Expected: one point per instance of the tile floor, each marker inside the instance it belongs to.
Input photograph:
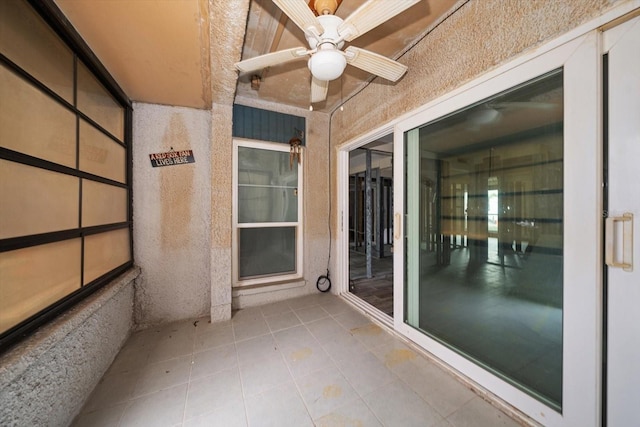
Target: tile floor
(307, 361)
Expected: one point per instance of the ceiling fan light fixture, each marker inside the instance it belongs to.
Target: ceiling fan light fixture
(327, 64)
(484, 116)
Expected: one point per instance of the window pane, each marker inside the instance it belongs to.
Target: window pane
(102, 203)
(36, 277)
(100, 155)
(97, 103)
(266, 204)
(32, 123)
(266, 251)
(104, 252)
(267, 186)
(35, 200)
(29, 42)
(484, 234)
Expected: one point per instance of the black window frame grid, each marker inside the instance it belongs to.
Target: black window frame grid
(56, 20)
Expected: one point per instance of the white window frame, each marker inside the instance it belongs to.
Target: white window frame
(273, 279)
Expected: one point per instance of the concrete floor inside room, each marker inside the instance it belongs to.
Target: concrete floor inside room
(308, 361)
(376, 290)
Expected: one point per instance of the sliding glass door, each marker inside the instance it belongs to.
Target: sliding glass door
(484, 247)
(497, 268)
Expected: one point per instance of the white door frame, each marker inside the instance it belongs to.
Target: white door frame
(584, 172)
(343, 226)
(622, 43)
(582, 269)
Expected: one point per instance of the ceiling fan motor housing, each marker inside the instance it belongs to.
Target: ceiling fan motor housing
(330, 23)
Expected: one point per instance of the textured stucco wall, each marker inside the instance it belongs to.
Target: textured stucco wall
(45, 380)
(479, 36)
(317, 201)
(171, 213)
(221, 199)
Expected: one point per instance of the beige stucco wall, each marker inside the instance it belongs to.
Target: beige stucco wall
(182, 214)
(171, 213)
(479, 36)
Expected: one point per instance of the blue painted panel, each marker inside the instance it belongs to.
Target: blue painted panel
(264, 125)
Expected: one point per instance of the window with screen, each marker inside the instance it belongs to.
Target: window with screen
(267, 214)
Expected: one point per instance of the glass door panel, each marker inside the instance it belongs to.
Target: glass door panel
(484, 234)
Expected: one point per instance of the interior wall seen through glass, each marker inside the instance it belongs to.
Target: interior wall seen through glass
(484, 245)
(267, 186)
(267, 251)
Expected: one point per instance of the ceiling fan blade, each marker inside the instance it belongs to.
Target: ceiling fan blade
(298, 11)
(319, 89)
(275, 58)
(375, 63)
(370, 15)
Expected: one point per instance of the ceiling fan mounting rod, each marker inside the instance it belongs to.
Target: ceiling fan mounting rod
(325, 7)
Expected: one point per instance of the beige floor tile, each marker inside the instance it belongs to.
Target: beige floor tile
(351, 320)
(250, 314)
(279, 407)
(395, 404)
(437, 387)
(131, 359)
(171, 347)
(372, 335)
(214, 337)
(232, 415)
(106, 417)
(279, 307)
(111, 390)
(395, 354)
(325, 329)
(246, 330)
(281, 321)
(309, 314)
(366, 373)
(162, 375)
(310, 300)
(306, 359)
(343, 347)
(163, 408)
(214, 360)
(215, 391)
(255, 349)
(284, 364)
(355, 413)
(325, 391)
(294, 337)
(479, 413)
(266, 374)
(335, 306)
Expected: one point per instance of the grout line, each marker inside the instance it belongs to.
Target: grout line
(186, 396)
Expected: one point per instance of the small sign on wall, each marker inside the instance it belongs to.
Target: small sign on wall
(171, 158)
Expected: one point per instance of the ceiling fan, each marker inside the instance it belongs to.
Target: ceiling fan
(326, 35)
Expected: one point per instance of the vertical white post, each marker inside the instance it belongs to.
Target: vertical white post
(412, 220)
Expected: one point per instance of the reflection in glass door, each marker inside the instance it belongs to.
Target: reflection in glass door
(484, 234)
